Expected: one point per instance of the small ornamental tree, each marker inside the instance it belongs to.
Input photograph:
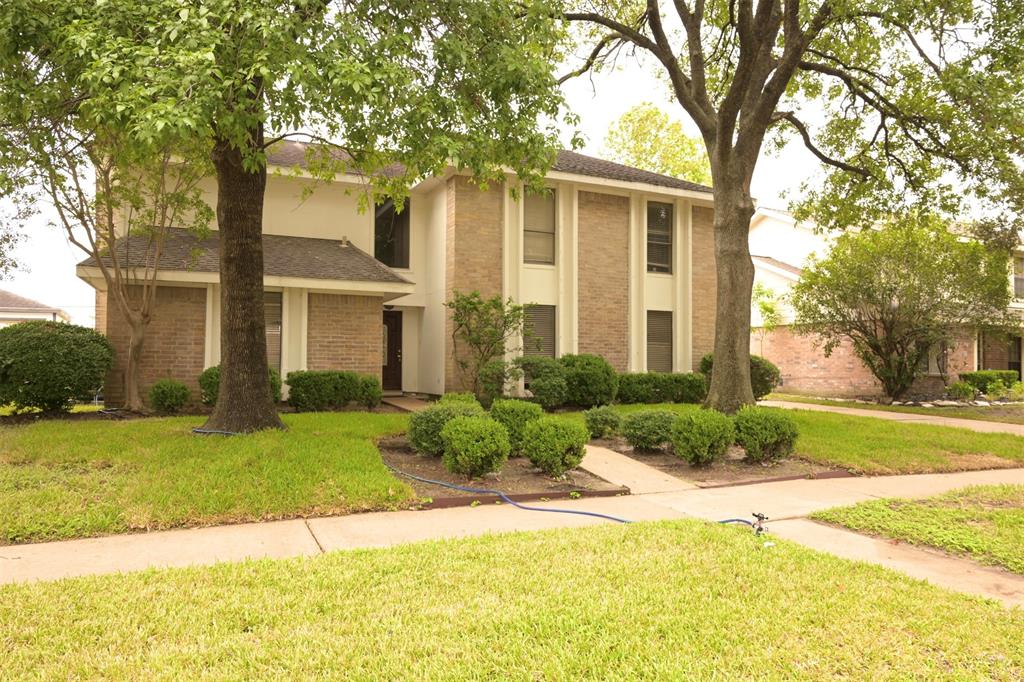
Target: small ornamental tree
(897, 292)
(483, 331)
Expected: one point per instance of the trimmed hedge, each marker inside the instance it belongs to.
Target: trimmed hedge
(209, 385)
(764, 376)
(514, 415)
(702, 436)
(649, 429)
(545, 378)
(981, 379)
(602, 421)
(474, 446)
(765, 433)
(555, 445)
(48, 365)
(168, 396)
(425, 426)
(459, 397)
(590, 380)
(662, 387)
(318, 390)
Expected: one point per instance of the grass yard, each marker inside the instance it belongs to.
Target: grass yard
(67, 479)
(985, 523)
(8, 410)
(1009, 414)
(679, 600)
(874, 446)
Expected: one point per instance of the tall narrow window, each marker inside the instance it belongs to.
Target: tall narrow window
(659, 341)
(1013, 358)
(272, 316)
(659, 237)
(391, 234)
(540, 331)
(1018, 276)
(539, 228)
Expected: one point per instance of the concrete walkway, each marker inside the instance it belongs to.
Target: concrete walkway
(656, 496)
(937, 419)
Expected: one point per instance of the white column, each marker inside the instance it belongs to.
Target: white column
(682, 268)
(637, 283)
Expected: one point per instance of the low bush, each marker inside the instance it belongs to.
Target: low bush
(550, 391)
(555, 445)
(997, 390)
(961, 390)
(168, 396)
(981, 378)
(48, 365)
(370, 391)
(459, 397)
(602, 421)
(590, 380)
(514, 415)
(765, 433)
(649, 429)
(474, 446)
(1015, 392)
(703, 436)
(425, 426)
(764, 376)
(680, 387)
(318, 390)
(636, 388)
(209, 385)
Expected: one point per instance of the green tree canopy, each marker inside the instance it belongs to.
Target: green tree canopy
(900, 291)
(645, 137)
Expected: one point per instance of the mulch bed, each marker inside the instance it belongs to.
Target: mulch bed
(732, 470)
(518, 479)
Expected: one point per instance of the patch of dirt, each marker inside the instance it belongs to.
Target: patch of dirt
(731, 470)
(517, 478)
(975, 461)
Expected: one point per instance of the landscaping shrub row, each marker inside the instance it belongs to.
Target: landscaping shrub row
(981, 379)
(317, 390)
(659, 387)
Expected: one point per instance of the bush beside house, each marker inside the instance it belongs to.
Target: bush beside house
(209, 385)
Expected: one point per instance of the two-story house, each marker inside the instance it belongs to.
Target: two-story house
(613, 260)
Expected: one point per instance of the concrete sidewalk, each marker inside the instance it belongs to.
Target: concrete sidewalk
(936, 420)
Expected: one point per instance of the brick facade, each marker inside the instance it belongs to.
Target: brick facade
(101, 312)
(473, 251)
(175, 340)
(705, 282)
(345, 332)
(603, 259)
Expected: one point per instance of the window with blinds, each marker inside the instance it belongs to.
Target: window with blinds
(659, 341)
(539, 332)
(1018, 276)
(272, 314)
(539, 228)
(659, 237)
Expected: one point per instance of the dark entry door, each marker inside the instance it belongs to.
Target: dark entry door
(391, 372)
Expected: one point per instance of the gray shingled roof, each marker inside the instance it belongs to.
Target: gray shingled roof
(291, 153)
(11, 302)
(282, 257)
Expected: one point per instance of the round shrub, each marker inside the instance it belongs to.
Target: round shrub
(209, 385)
(636, 388)
(961, 390)
(766, 434)
(764, 376)
(701, 437)
(555, 445)
(649, 429)
(602, 421)
(168, 396)
(425, 426)
(370, 391)
(550, 391)
(514, 415)
(459, 397)
(474, 445)
(48, 365)
(590, 379)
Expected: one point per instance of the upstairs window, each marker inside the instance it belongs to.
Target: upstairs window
(659, 237)
(272, 316)
(1018, 276)
(539, 331)
(391, 234)
(659, 341)
(539, 228)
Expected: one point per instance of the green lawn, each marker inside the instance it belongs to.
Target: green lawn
(680, 600)
(873, 446)
(985, 523)
(8, 410)
(64, 479)
(1009, 414)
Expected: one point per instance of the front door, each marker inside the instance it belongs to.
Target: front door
(391, 372)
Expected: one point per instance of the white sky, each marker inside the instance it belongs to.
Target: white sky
(47, 260)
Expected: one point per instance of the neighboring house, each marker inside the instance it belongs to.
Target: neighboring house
(780, 248)
(14, 309)
(614, 260)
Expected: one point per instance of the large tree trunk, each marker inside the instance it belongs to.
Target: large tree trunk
(730, 379)
(244, 401)
(132, 390)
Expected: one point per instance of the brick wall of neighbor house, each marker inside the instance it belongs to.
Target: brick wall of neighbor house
(174, 345)
(101, 312)
(473, 251)
(705, 284)
(604, 277)
(345, 332)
